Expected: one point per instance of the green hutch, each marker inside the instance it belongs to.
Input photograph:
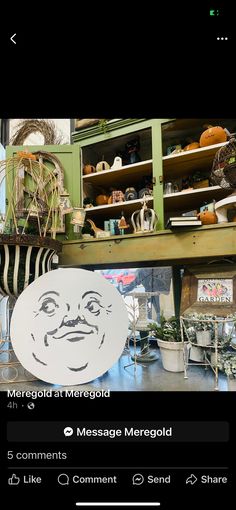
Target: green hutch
(162, 247)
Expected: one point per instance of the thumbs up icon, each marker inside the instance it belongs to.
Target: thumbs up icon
(14, 480)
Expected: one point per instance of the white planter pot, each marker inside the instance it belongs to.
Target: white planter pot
(172, 355)
(231, 383)
(203, 338)
(196, 353)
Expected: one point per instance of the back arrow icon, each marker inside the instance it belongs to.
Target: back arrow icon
(12, 38)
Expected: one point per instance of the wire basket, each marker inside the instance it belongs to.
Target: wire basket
(223, 171)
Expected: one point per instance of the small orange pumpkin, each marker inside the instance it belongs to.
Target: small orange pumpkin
(192, 146)
(213, 135)
(208, 217)
(88, 169)
(101, 199)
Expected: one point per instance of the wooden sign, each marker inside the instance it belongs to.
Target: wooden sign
(209, 289)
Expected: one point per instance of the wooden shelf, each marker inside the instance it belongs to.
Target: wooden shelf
(194, 198)
(110, 210)
(123, 176)
(184, 163)
(162, 248)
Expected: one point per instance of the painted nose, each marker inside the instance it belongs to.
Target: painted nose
(74, 322)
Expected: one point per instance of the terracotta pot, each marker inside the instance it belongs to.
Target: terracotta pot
(207, 217)
(101, 199)
(213, 135)
(89, 169)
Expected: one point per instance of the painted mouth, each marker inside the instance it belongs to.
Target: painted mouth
(74, 336)
(78, 369)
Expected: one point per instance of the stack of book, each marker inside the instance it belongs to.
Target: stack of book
(183, 221)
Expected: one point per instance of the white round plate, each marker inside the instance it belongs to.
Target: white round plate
(69, 326)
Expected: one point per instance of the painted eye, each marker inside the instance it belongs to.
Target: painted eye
(49, 306)
(94, 307)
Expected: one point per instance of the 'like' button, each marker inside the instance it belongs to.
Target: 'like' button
(13, 480)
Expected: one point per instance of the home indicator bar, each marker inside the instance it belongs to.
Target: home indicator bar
(131, 504)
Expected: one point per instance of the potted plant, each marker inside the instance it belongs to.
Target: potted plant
(227, 364)
(201, 332)
(169, 340)
(203, 328)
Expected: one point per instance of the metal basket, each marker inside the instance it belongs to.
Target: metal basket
(223, 171)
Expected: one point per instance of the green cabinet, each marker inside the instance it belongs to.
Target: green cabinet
(156, 136)
(97, 145)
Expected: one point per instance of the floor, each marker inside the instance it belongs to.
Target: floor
(149, 377)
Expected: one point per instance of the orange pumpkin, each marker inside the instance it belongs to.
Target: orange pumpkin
(192, 146)
(207, 217)
(101, 199)
(213, 135)
(88, 169)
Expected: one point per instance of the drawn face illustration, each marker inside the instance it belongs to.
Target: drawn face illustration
(75, 326)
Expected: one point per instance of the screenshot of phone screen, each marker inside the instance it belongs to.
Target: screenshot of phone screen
(118, 265)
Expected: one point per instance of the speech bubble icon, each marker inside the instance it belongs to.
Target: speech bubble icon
(68, 431)
(138, 479)
(63, 479)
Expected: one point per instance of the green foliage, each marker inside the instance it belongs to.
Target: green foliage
(227, 363)
(168, 329)
(197, 320)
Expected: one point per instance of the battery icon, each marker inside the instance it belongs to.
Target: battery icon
(214, 12)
